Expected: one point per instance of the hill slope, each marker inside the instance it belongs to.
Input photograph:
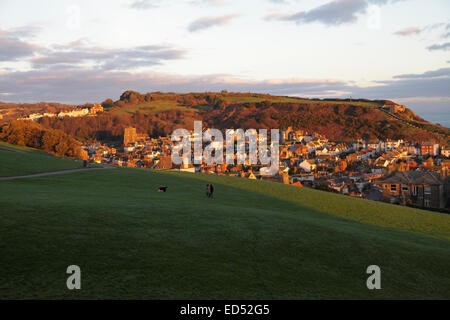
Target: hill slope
(338, 119)
(254, 240)
(159, 113)
(18, 161)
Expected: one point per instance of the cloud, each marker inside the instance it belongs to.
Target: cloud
(433, 26)
(210, 2)
(145, 4)
(24, 32)
(12, 47)
(78, 85)
(444, 46)
(78, 54)
(282, 1)
(443, 72)
(208, 22)
(428, 28)
(434, 83)
(408, 31)
(332, 13)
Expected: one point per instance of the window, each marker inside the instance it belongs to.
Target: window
(427, 203)
(393, 187)
(427, 190)
(415, 190)
(404, 187)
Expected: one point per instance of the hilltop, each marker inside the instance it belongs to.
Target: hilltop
(255, 240)
(158, 114)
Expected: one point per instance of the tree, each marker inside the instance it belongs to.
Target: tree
(108, 103)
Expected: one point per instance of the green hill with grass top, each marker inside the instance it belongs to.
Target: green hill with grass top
(253, 240)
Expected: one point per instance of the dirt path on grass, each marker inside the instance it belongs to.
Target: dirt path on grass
(11, 149)
(44, 174)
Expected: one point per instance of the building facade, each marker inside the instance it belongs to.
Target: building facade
(420, 188)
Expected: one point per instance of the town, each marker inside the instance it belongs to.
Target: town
(399, 172)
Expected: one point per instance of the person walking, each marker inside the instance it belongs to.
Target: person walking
(211, 190)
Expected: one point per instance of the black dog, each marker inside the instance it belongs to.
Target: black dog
(162, 189)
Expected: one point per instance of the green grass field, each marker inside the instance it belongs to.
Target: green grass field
(261, 99)
(154, 107)
(275, 99)
(254, 240)
(17, 161)
(160, 106)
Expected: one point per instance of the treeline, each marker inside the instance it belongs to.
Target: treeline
(343, 122)
(110, 127)
(189, 99)
(31, 134)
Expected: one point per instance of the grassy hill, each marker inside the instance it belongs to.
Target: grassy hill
(254, 240)
(152, 107)
(337, 119)
(158, 114)
(17, 161)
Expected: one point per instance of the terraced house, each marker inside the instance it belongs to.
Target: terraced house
(420, 188)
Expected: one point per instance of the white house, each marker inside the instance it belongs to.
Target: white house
(445, 151)
(307, 165)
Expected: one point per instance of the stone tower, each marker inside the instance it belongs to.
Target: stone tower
(129, 136)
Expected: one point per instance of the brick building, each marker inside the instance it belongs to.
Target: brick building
(421, 188)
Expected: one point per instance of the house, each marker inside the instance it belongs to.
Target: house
(394, 108)
(359, 144)
(428, 163)
(429, 148)
(96, 108)
(445, 151)
(307, 165)
(129, 149)
(323, 151)
(376, 145)
(297, 150)
(74, 113)
(336, 184)
(338, 149)
(413, 149)
(389, 145)
(445, 164)
(420, 188)
(313, 145)
(164, 163)
(291, 135)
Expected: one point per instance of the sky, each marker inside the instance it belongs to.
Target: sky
(87, 51)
